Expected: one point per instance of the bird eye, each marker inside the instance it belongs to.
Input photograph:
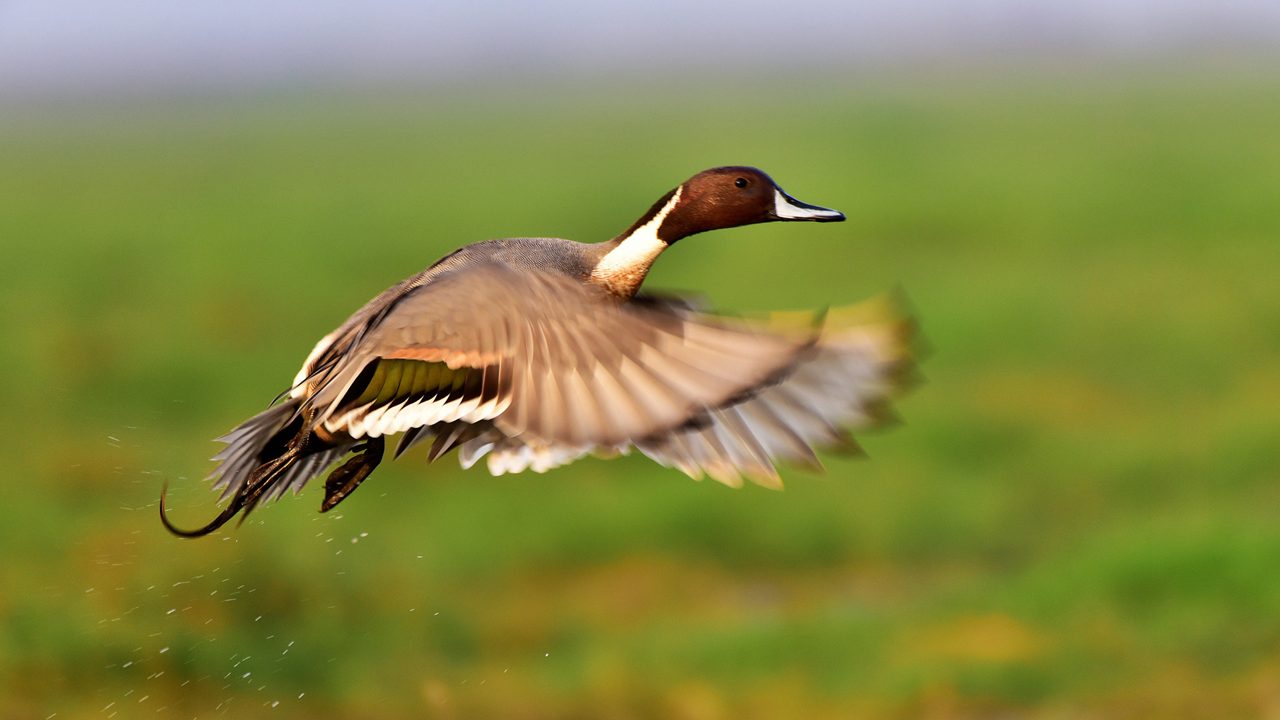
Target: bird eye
(741, 182)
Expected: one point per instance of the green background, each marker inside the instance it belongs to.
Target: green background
(1076, 519)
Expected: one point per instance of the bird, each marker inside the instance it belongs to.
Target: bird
(535, 352)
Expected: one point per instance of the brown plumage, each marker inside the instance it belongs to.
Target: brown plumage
(537, 351)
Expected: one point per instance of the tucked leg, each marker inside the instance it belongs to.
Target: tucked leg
(344, 480)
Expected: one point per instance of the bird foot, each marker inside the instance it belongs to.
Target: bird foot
(344, 480)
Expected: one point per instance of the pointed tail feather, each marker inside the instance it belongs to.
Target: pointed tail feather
(264, 456)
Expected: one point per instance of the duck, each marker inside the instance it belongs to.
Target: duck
(535, 352)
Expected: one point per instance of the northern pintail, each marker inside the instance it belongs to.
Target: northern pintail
(537, 351)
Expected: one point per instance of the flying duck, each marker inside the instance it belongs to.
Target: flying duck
(537, 351)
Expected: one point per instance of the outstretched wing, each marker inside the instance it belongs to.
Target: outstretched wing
(864, 358)
(544, 358)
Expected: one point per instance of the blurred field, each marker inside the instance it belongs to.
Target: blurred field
(1077, 519)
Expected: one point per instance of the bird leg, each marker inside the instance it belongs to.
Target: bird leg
(343, 481)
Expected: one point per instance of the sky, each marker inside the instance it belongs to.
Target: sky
(57, 47)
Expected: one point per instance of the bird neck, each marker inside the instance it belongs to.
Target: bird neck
(625, 260)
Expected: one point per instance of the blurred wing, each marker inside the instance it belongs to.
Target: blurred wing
(549, 360)
(864, 358)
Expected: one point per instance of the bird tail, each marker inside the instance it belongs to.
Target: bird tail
(264, 456)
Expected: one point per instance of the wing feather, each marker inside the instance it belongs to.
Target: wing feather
(554, 367)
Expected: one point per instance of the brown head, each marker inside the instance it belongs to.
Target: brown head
(726, 197)
(714, 199)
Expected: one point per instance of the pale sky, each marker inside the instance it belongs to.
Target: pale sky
(72, 46)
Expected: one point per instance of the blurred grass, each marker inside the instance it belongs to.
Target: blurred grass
(1076, 519)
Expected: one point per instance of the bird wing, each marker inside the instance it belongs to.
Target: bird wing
(864, 357)
(546, 358)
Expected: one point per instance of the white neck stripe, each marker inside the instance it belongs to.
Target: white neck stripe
(638, 249)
